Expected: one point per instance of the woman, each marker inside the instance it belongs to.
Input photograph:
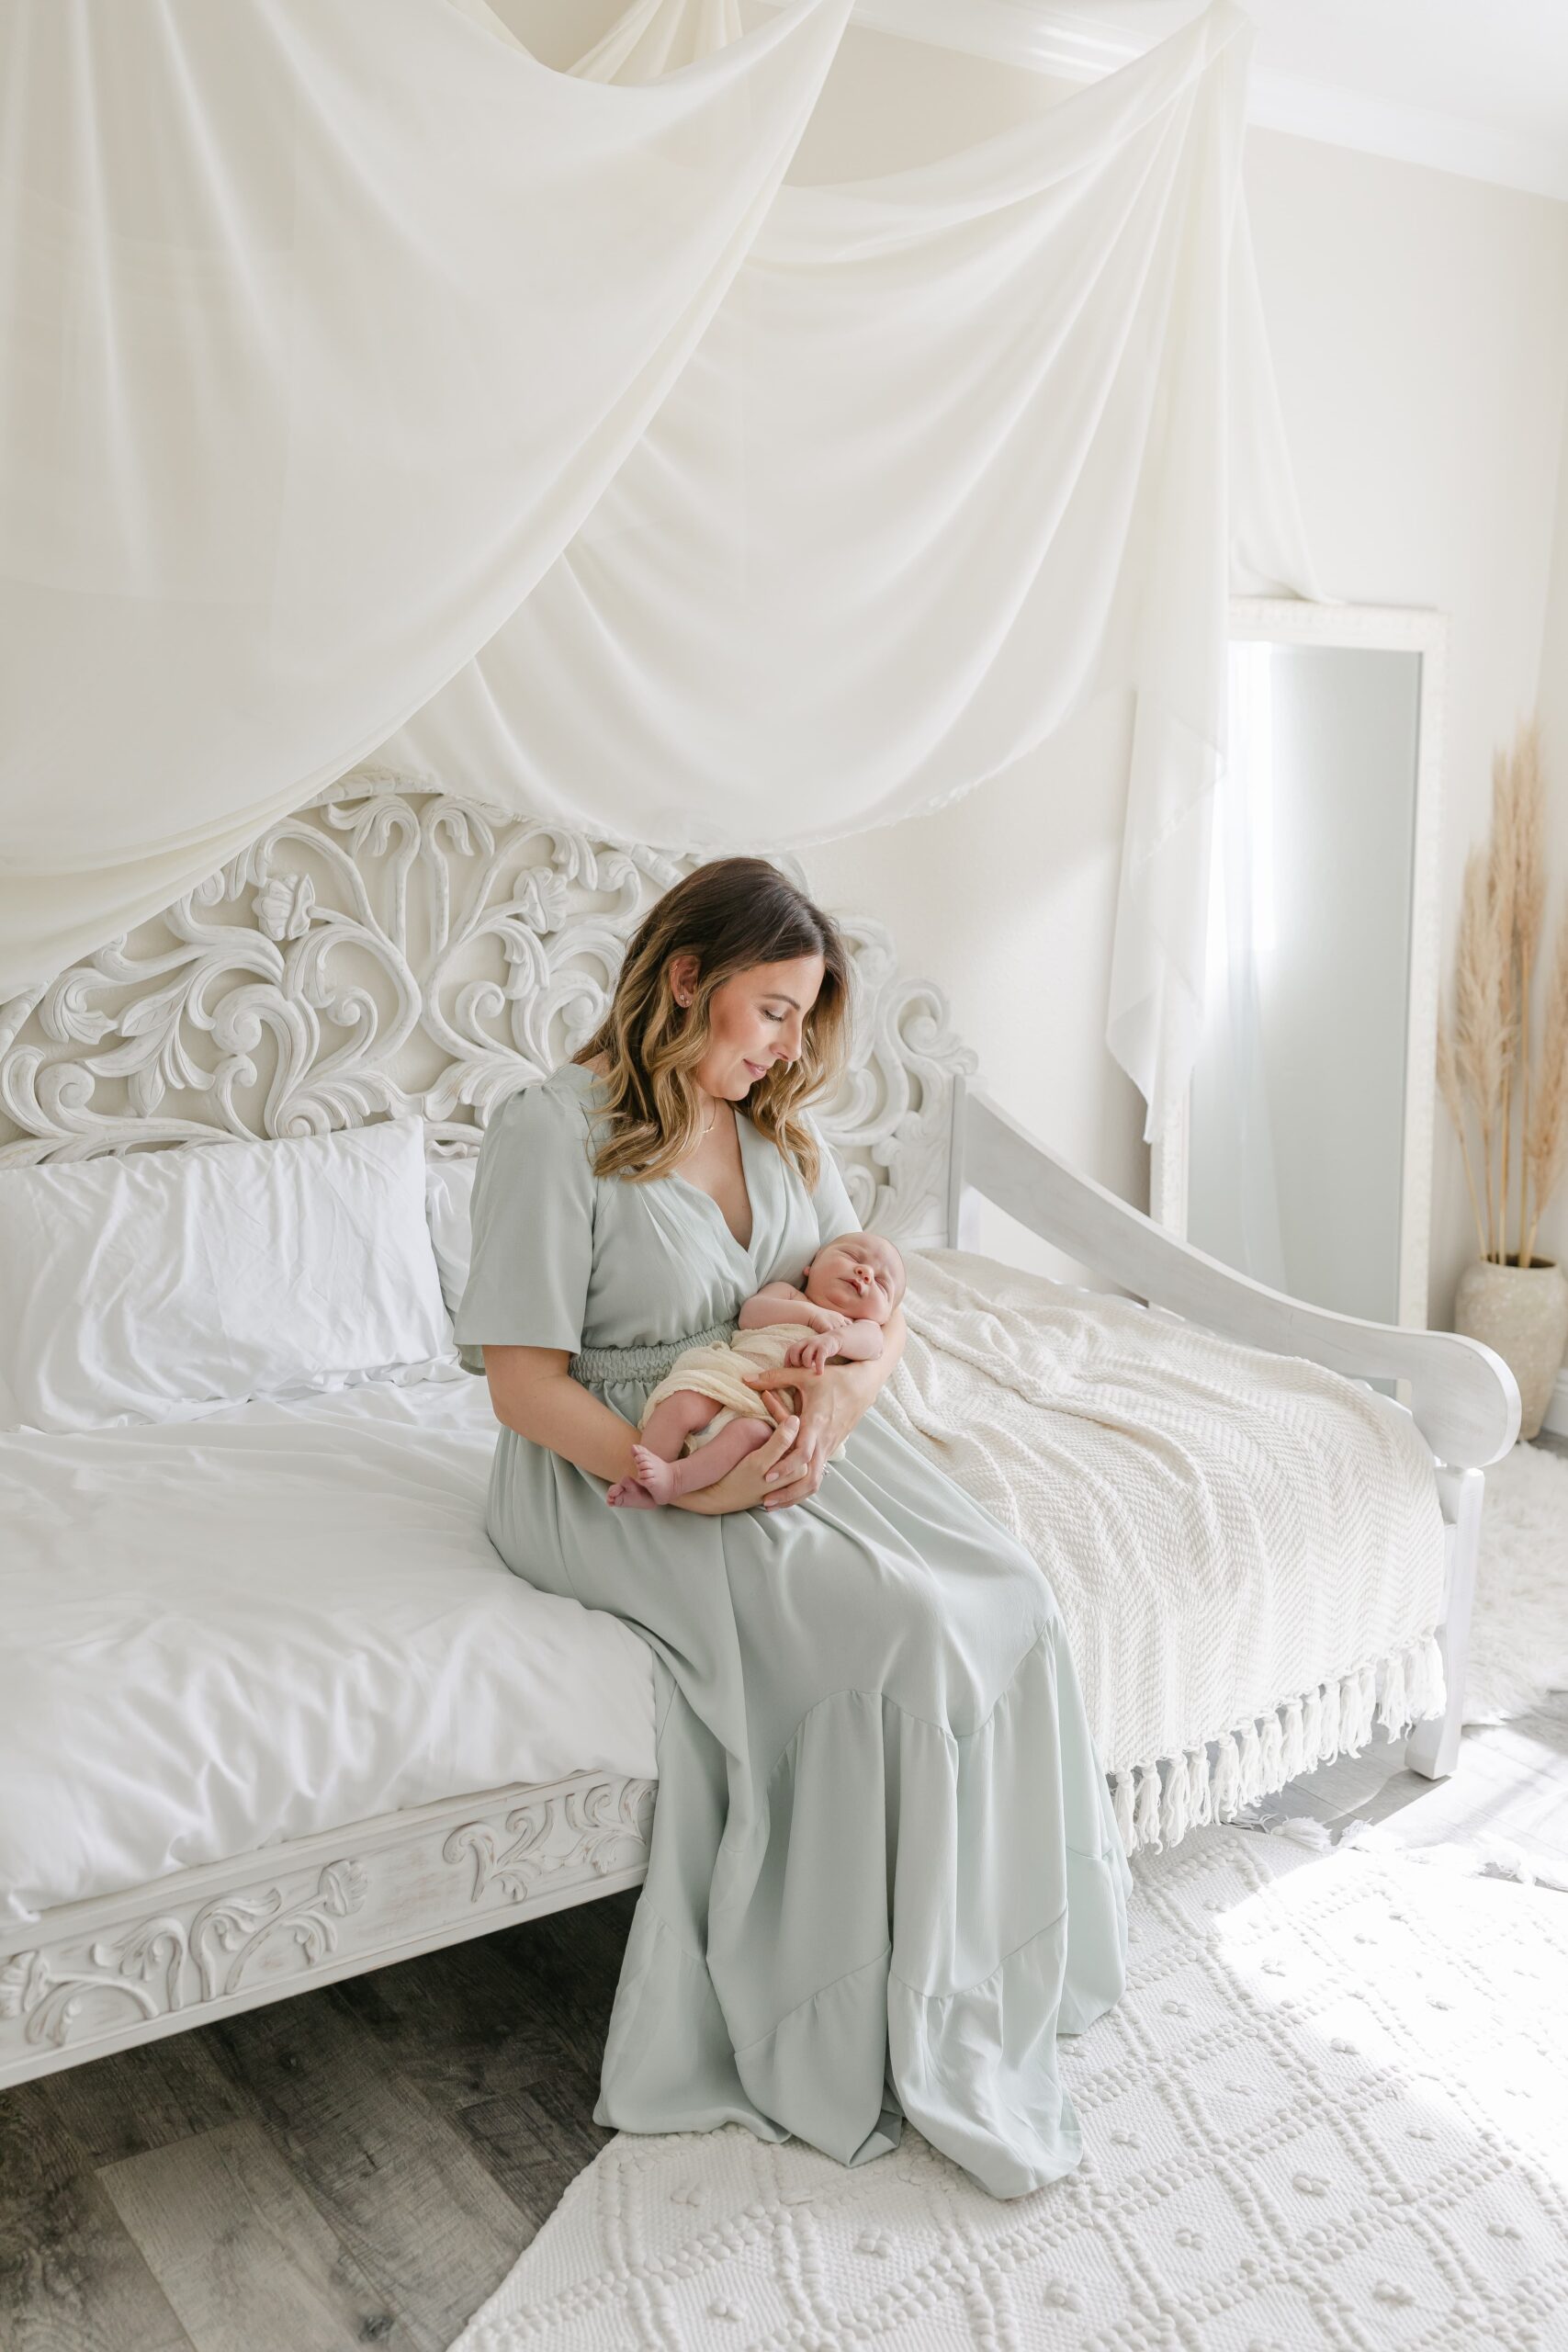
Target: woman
(884, 1870)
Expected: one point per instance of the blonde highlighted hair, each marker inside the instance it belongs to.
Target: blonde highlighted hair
(730, 914)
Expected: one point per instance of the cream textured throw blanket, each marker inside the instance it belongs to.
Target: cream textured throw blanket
(1247, 1549)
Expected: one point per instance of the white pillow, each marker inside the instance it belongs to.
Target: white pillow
(449, 1201)
(161, 1285)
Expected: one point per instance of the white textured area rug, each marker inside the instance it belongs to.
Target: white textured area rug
(1331, 2109)
(1519, 1644)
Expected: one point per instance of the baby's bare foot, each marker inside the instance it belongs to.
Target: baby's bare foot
(631, 1496)
(655, 1473)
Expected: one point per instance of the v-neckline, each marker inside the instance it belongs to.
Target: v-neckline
(745, 1247)
(741, 1125)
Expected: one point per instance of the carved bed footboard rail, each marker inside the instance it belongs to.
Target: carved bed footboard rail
(96, 1976)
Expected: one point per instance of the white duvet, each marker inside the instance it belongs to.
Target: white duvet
(287, 1617)
(273, 1620)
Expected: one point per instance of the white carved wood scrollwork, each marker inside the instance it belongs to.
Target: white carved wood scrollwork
(166, 1963)
(588, 1827)
(109, 1972)
(390, 948)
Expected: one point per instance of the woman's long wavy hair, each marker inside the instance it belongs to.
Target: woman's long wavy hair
(730, 914)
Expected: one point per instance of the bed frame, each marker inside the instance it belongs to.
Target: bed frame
(392, 949)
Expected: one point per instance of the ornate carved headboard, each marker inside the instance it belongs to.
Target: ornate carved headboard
(391, 948)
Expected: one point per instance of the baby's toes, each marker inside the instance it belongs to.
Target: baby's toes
(654, 1472)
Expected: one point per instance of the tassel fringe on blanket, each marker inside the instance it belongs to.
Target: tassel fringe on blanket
(1156, 1803)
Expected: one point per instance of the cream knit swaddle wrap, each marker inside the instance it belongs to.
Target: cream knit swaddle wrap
(717, 1371)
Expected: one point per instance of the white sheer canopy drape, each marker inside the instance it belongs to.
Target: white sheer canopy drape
(627, 482)
(322, 327)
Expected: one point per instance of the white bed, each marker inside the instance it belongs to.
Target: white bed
(271, 1709)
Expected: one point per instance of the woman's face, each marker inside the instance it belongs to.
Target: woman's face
(756, 1019)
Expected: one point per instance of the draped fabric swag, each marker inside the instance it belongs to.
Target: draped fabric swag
(322, 327)
(530, 431)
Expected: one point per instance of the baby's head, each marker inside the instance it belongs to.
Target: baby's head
(861, 1274)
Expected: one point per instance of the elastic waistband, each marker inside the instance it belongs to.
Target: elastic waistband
(595, 1367)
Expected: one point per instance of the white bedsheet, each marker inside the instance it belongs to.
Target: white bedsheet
(278, 1619)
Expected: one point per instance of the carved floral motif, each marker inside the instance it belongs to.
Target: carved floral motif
(187, 1958)
(163, 1963)
(604, 1825)
(282, 907)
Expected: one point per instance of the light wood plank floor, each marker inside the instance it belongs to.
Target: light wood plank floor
(362, 2165)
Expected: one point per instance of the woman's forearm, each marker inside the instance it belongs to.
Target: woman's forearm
(551, 1409)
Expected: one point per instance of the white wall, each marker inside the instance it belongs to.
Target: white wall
(1553, 1238)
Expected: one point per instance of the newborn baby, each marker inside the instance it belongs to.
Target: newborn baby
(702, 1418)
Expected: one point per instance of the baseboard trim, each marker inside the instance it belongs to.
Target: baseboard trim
(1557, 1407)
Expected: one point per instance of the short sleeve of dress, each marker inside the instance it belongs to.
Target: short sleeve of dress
(533, 1228)
(835, 1211)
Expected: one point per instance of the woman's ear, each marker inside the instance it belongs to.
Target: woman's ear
(683, 977)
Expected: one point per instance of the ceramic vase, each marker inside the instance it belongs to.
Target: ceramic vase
(1522, 1312)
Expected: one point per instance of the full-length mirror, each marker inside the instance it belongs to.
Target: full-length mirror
(1304, 1155)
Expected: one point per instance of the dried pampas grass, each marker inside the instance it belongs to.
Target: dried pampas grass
(1529, 909)
(1546, 1137)
(1501, 919)
(1481, 1029)
(1453, 1095)
(1501, 914)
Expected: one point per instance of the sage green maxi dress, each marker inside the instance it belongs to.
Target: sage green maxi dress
(884, 1870)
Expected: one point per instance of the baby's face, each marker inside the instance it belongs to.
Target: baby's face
(861, 1274)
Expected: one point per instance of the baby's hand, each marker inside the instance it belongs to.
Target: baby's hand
(828, 1318)
(812, 1354)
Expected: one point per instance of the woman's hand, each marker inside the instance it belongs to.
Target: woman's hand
(743, 1488)
(826, 1416)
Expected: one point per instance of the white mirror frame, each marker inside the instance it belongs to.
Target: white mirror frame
(1378, 628)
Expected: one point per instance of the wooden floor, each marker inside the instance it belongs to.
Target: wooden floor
(364, 2165)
